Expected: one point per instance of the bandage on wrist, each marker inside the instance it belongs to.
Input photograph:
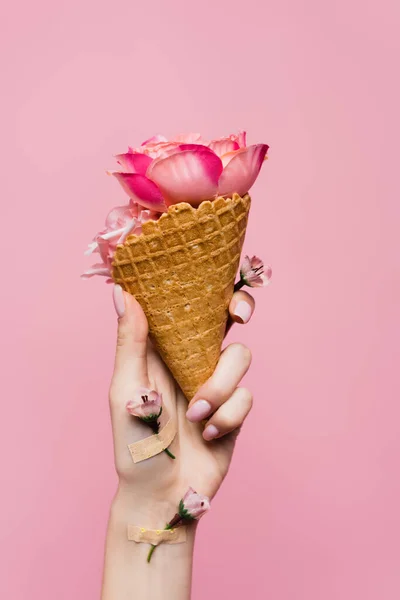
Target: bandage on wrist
(156, 536)
(154, 444)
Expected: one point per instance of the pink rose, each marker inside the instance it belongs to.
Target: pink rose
(253, 273)
(187, 169)
(146, 404)
(193, 505)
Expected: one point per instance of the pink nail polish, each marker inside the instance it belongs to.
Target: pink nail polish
(119, 302)
(242, 311)
(199, 411)
(210, 433)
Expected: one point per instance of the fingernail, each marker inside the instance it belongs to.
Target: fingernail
(198, 411)
(242, 311)
(210, 433)
(119, 302)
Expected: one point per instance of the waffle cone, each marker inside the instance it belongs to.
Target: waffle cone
(182, 270)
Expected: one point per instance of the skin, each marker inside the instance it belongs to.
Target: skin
(149, 492)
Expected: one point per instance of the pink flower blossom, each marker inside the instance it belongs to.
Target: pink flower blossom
(253, 272)
(162, 172)
(146, 404)
(193, 505)
(120, 222)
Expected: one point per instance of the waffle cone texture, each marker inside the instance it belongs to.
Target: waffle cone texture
(182, 270)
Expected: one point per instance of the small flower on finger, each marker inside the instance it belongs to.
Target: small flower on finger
(253, 273)
(146, 405)
(191, 508)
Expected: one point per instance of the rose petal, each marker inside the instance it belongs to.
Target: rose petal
(187, 138)
(241, 138)
(242, 170)
(223, 146)
(141, 189)
(187, 176)
(226, 158)
(133, 162)
(155, 140)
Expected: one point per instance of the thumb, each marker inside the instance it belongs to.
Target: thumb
(130, 369)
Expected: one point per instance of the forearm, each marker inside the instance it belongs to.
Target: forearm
(127, 575)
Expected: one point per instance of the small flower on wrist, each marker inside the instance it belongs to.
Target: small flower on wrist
(191, 508)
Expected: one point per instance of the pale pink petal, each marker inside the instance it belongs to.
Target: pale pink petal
(194, 504)
(226, 158)
(145, 215)
(187, 138)
(266, 277)
(254, 273)
(118, 217)
(256, 263)
(245, 268)
(93, 247)
(130, 228)
(141, 189)
(188, 494)
(133, 162)
(241, 138)
(156, 150)
(155, 397)
(224, 145)
(242, 170)
(98, 269)
(112, 234)
(104, 248)
(134, 207)
(187, 176)
(155, 140)
(145, 403)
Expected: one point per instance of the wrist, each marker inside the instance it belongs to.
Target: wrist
(126, 567)
(131, 507)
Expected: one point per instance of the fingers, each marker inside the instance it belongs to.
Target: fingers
(130, 367)
(232, 366)
(230, 415)
(241, 307)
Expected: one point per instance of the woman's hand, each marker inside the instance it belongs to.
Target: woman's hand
(203, 453)
(149, 491)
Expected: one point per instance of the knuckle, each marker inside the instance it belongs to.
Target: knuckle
(228, 423)
(247, 398)
(244, 352)
(214, 394)
(122, 337)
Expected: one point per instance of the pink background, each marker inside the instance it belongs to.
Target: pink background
(310, 510)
